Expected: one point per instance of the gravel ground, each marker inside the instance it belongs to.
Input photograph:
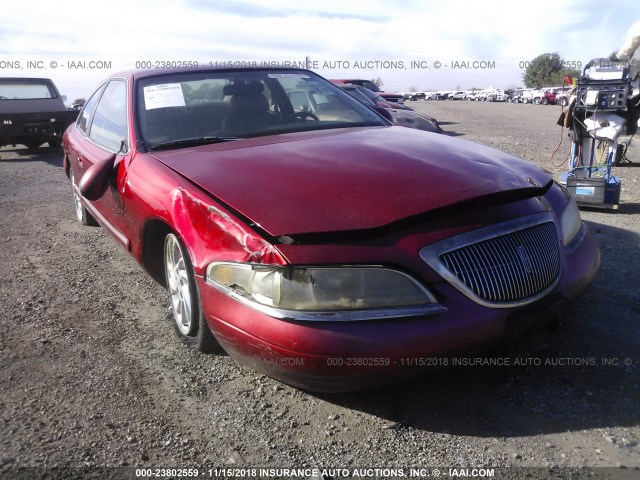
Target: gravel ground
(93, 375)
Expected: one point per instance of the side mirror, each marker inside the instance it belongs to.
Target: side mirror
(384, 112)
(96, 179)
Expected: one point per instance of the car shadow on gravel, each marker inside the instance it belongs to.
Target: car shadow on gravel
(627, 208)
(587, 377)
(50, 155)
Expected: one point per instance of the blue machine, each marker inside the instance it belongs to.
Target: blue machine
(601, 109)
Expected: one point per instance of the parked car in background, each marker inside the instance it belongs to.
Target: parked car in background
(538, 97)
(376, 99)
(485, 96)
(457, 96)
(309, 237)
(32, 112)
(562, 95)
(368, 84)
(470, 96)
(424, 96)
(544, 97)
(500, 95)
(529, 95)
(516, 97)
(404, 118)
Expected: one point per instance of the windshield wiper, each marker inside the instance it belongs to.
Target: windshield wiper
(190, 142)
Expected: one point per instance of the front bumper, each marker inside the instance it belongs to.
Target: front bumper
(342, 356)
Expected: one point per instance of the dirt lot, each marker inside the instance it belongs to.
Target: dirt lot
(93, 375)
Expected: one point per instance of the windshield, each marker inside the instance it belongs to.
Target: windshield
(221, 105)
(25, 90)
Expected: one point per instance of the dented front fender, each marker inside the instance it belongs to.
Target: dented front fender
(212, 234)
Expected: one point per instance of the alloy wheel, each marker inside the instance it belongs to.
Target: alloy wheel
(179, 284)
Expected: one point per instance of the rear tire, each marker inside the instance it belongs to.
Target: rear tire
(544, 101)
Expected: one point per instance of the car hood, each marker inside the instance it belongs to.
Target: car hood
(347, 179)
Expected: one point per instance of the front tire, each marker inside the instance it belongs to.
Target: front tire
(82, 215)
(188, 318)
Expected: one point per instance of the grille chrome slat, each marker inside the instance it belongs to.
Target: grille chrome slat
(509, 272)
(541, 273)
(498, 276)
(518, 289)
(488, 270)
(496, 271)
(512, 267)
(478, 269)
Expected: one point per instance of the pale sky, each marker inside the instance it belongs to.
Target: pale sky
(334, 33)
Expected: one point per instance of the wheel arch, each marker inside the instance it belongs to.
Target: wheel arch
(66, 165)
(152, 248)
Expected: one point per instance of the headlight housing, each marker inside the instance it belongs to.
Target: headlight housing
(570, 222)
(322, 289)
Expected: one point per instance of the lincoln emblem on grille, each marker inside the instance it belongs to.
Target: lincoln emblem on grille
(524, 258)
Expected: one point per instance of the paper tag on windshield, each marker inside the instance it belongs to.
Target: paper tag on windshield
(162, 96)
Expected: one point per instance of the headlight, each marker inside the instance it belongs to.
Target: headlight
(570, 222)
(320, 288)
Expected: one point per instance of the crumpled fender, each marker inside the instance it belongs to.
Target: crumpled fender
(212, 234)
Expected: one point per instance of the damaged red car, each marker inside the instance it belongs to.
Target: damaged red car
(311, 239)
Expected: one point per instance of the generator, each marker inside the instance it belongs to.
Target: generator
(602, 108)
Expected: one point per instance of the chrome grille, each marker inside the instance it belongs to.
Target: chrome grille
(508, 268)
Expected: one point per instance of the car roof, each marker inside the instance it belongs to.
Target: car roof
(24, 79)
(154, 72)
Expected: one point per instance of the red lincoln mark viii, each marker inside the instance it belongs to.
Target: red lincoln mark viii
(312, 240)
